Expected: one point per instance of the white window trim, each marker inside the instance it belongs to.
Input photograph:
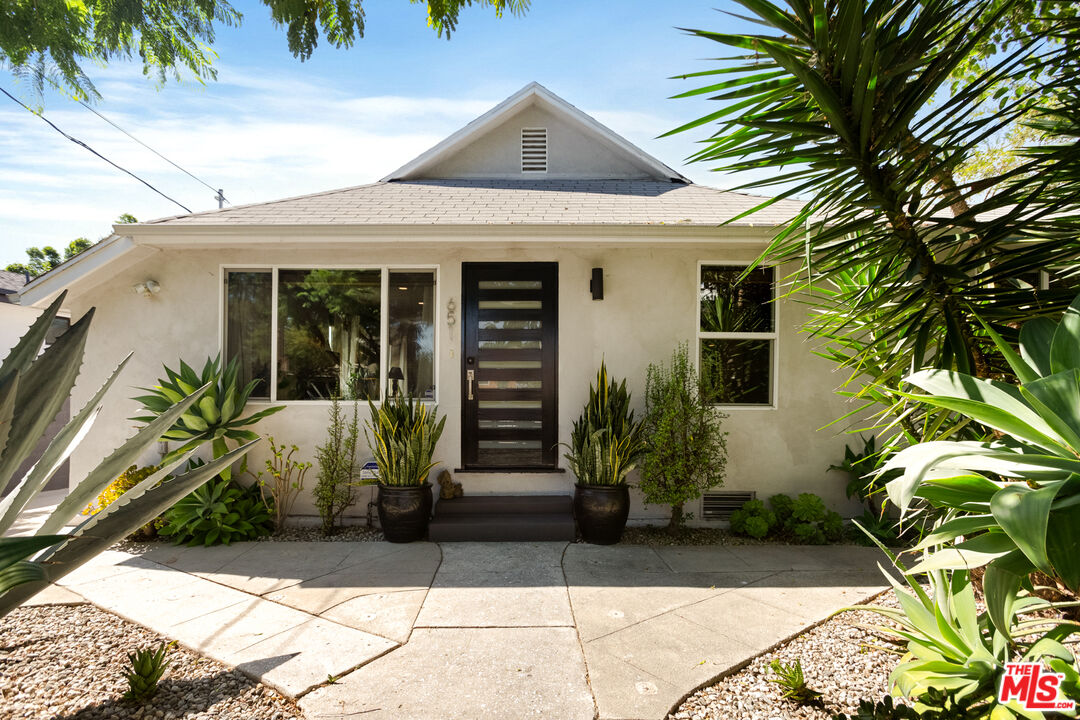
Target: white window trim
(384, 320)
(774, 336)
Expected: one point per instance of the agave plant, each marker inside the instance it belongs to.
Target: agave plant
(402, 434)
(956, 652)
(217, 414)
(1013, 504)
(33, 387)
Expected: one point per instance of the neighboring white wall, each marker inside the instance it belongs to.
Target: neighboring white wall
(15, 320)
(649, 306)
(573, 152)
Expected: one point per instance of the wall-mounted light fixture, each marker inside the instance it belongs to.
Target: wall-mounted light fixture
(596, 284)
(148, 288)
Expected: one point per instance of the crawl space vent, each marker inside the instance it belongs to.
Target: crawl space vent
(720, 505)
(533, 150)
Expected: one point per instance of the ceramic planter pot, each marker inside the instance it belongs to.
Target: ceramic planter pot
(404, 511)
(601, 512)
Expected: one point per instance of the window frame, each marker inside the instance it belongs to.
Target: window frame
(773, 336)
(384, 319)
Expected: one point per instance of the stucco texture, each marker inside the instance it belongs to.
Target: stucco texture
(649, 306)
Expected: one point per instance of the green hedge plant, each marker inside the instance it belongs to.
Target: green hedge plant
(803, 519)
(753, 519)
(34, 385)
(219, 513)
(687, 447)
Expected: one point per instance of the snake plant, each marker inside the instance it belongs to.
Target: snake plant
(217, 414)
(402, 434)
(605, 442)
(34, 385)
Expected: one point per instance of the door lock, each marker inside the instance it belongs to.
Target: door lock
(470, 375)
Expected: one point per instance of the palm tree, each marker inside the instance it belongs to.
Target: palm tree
(855, 106)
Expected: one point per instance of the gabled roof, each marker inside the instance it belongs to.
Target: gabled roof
(533, 94)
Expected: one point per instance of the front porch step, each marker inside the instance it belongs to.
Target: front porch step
(503, 518)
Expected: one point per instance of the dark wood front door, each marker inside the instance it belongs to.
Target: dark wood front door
(509, 365)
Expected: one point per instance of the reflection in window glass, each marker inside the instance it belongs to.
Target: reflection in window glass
(412, 334)
(736, 372)
(247, 327)
(328, 334)
(731, 306)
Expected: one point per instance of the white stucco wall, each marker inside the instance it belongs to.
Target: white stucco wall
(15, 320)
(649, 306)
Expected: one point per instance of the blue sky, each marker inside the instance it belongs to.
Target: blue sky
(273, 127)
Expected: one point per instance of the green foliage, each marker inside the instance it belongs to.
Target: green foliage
(1012, 504)
(50, 44)
(34, 385)
(216, 417)
(402, 435)
(848, 104)
(219, 512)
(753, 519)
(146, 668)
(605, 442)
(804, 519)
(286, 481)
(687, 447)
(335, 488)
(792, 683)
(937, 705)
(129, 479)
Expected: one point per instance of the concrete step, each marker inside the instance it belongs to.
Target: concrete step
(503, 518)
(504, 505)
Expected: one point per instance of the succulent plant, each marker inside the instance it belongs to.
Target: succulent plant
(147, 667)
(34, 384)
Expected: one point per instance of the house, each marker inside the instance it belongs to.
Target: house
(491, 275)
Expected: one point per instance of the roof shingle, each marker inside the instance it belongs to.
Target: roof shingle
(505, 202)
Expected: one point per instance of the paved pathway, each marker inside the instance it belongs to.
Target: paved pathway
(480, 630)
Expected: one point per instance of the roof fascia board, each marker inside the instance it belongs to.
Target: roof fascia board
(507, 107)
(86, 262)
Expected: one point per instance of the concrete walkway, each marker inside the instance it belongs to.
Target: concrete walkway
(476, 631)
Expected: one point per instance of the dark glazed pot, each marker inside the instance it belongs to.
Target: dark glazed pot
(404, 511)
(601, 512)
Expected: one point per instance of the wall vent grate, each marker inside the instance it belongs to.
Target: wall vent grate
(720, 505)
(534, 147)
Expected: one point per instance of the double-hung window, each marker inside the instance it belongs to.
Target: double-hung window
(737, 334)
(317, 333)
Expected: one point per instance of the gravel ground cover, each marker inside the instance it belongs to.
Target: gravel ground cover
(840, 659)
(68, 663)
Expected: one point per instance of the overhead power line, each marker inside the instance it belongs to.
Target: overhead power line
(92, 150)
(217, 193)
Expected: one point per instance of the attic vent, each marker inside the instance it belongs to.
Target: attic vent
(534, 150)
(720, 505)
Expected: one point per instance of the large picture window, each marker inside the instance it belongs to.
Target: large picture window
(737, 334)
(318, 333)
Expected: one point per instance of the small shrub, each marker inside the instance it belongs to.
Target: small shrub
(753, 519)
(335, 490)
(219, 512)
(809, 534)
(146, 668)
(687, 451)
(792, 683)
(286, 481)
(808, 508)
(782, 505)
(129, 479)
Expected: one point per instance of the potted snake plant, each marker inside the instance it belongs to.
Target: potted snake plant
(605, 445)
(402, 434)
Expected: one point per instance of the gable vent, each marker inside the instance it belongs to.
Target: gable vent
(720, 505)
(534, 150)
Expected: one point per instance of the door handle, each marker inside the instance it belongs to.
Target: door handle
(470, 375)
